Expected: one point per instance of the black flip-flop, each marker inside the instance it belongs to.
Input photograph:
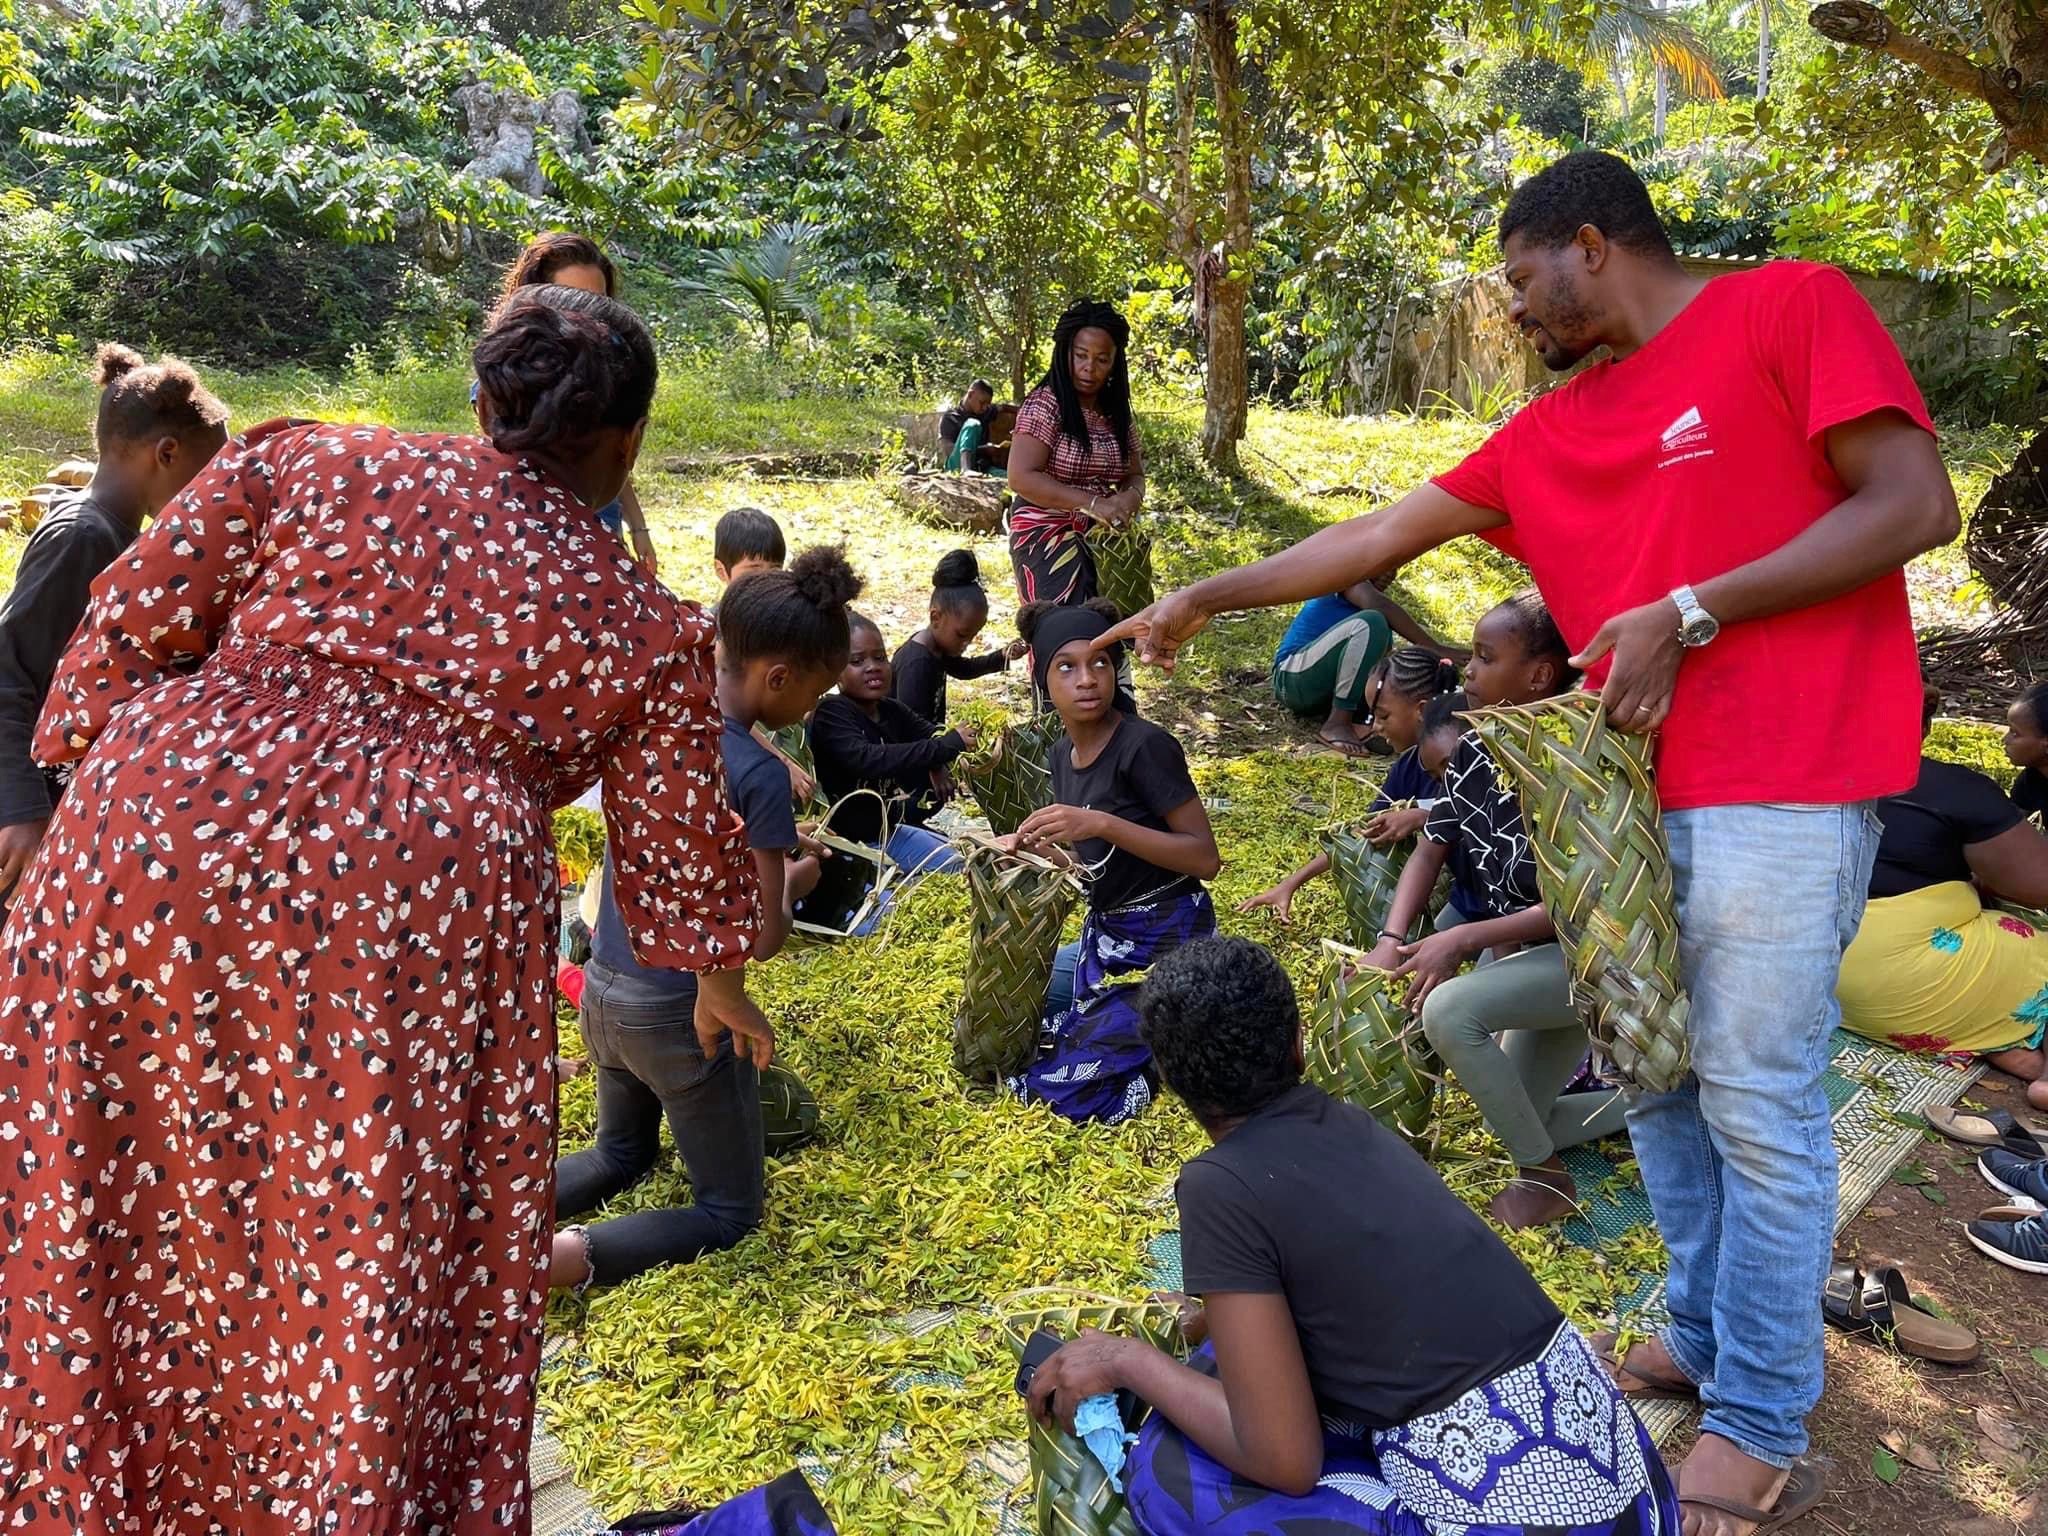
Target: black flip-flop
(1984, 1128)
(1879, 1302)
(1803, 1489)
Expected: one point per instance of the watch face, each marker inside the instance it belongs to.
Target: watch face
(1699, 630)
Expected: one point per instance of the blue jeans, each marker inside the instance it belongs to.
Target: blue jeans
(650, 1067)
(1739, 1160)
(916, 851)
(1059, 992)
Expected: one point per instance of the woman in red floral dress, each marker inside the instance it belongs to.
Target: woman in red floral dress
(276, 1021)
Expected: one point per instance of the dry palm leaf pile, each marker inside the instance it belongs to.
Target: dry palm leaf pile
(695, 1382)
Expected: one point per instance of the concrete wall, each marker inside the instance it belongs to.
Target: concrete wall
(1456, 340)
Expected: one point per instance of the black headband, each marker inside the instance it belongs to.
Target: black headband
(1060, 628)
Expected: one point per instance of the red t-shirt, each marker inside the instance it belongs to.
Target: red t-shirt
(1701, 452)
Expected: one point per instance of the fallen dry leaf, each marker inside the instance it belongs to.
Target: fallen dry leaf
(2012, 1463)
(2000, 1430)
(1879, 1212)
(1912, 1452)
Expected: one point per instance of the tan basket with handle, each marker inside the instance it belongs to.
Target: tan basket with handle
(1020, 904)
(1364, 1048)
(1071, 1495)
(1589, 802)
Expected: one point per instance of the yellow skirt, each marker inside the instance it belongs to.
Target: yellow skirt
(1935, 971)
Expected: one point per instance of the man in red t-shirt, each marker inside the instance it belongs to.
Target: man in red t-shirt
(1718, 515)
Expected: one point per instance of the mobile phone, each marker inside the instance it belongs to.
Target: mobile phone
(1038, 1349)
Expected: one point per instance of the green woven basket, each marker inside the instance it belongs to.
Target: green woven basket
(1071, 1495)
(1020, 904)
(1589, 801)
(789, 1112)
(1012, 776)
(1364, 1048)
(1366, 874)
(1123, 564)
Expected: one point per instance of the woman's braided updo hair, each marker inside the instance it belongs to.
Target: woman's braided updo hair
(559, 364)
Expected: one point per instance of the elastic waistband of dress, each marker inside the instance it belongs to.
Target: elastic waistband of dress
(374, 712)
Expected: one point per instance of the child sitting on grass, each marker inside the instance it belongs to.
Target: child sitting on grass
(1402, 685)
(1126, 814)
(1370, 1358)
(782, 638)
(893, 762)
(959, 612)
(1524, 994)
(2026, 747)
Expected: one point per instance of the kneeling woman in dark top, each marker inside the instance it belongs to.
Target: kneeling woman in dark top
(1375, 1358)
(1126, 815)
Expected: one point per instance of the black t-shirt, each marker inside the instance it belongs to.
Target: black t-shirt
(1403, 1298)
(2030, 793)
(1140, 776)
(955, 417)
(1478, 817)
(52, 588)
(894, 754)
(919, 676)
(1927, 828)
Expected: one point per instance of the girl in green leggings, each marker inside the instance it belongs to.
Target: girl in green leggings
(1506, 1028)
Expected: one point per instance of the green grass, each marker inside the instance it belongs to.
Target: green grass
(700, 1380)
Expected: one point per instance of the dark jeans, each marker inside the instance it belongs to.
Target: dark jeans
(649, 1065)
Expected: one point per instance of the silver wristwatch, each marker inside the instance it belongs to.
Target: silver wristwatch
(1696, 626)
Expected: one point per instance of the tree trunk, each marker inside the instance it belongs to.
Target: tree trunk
(1225, 388)
(1763, 49)
(1663, 87)
(2017, 93)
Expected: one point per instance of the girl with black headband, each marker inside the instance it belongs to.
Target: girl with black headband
(1074, 457)
(1125, 813)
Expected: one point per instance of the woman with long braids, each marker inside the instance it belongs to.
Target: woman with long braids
(277, 1001)
(1075, 459)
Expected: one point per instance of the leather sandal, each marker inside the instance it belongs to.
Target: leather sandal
(1804, 1487)
(1648, 1389)
(1879, 1303)
(1984, 1128)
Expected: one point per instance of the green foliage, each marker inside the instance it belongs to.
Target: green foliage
(776, 281)
(996, 188)
(1548, 96)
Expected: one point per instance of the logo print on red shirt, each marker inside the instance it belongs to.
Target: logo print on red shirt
(1684, 439)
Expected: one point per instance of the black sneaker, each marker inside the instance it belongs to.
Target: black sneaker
(2021, 1245)
(2026, 1177)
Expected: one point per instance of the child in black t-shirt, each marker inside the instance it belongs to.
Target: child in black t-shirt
(2026, 747)
(959, 612)
(1371, 1357)
(1126, 814)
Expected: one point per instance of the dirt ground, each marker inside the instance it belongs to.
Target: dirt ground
(1936, 1415)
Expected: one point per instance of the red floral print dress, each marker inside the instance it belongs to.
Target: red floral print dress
(276, 1023)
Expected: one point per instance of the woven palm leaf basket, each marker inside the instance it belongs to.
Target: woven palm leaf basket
(1020, 904)
(1012, 776)
(1366, 874)
(1589, 802)
(1123, 564)
(1364, 1047)
(1071, 1495)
